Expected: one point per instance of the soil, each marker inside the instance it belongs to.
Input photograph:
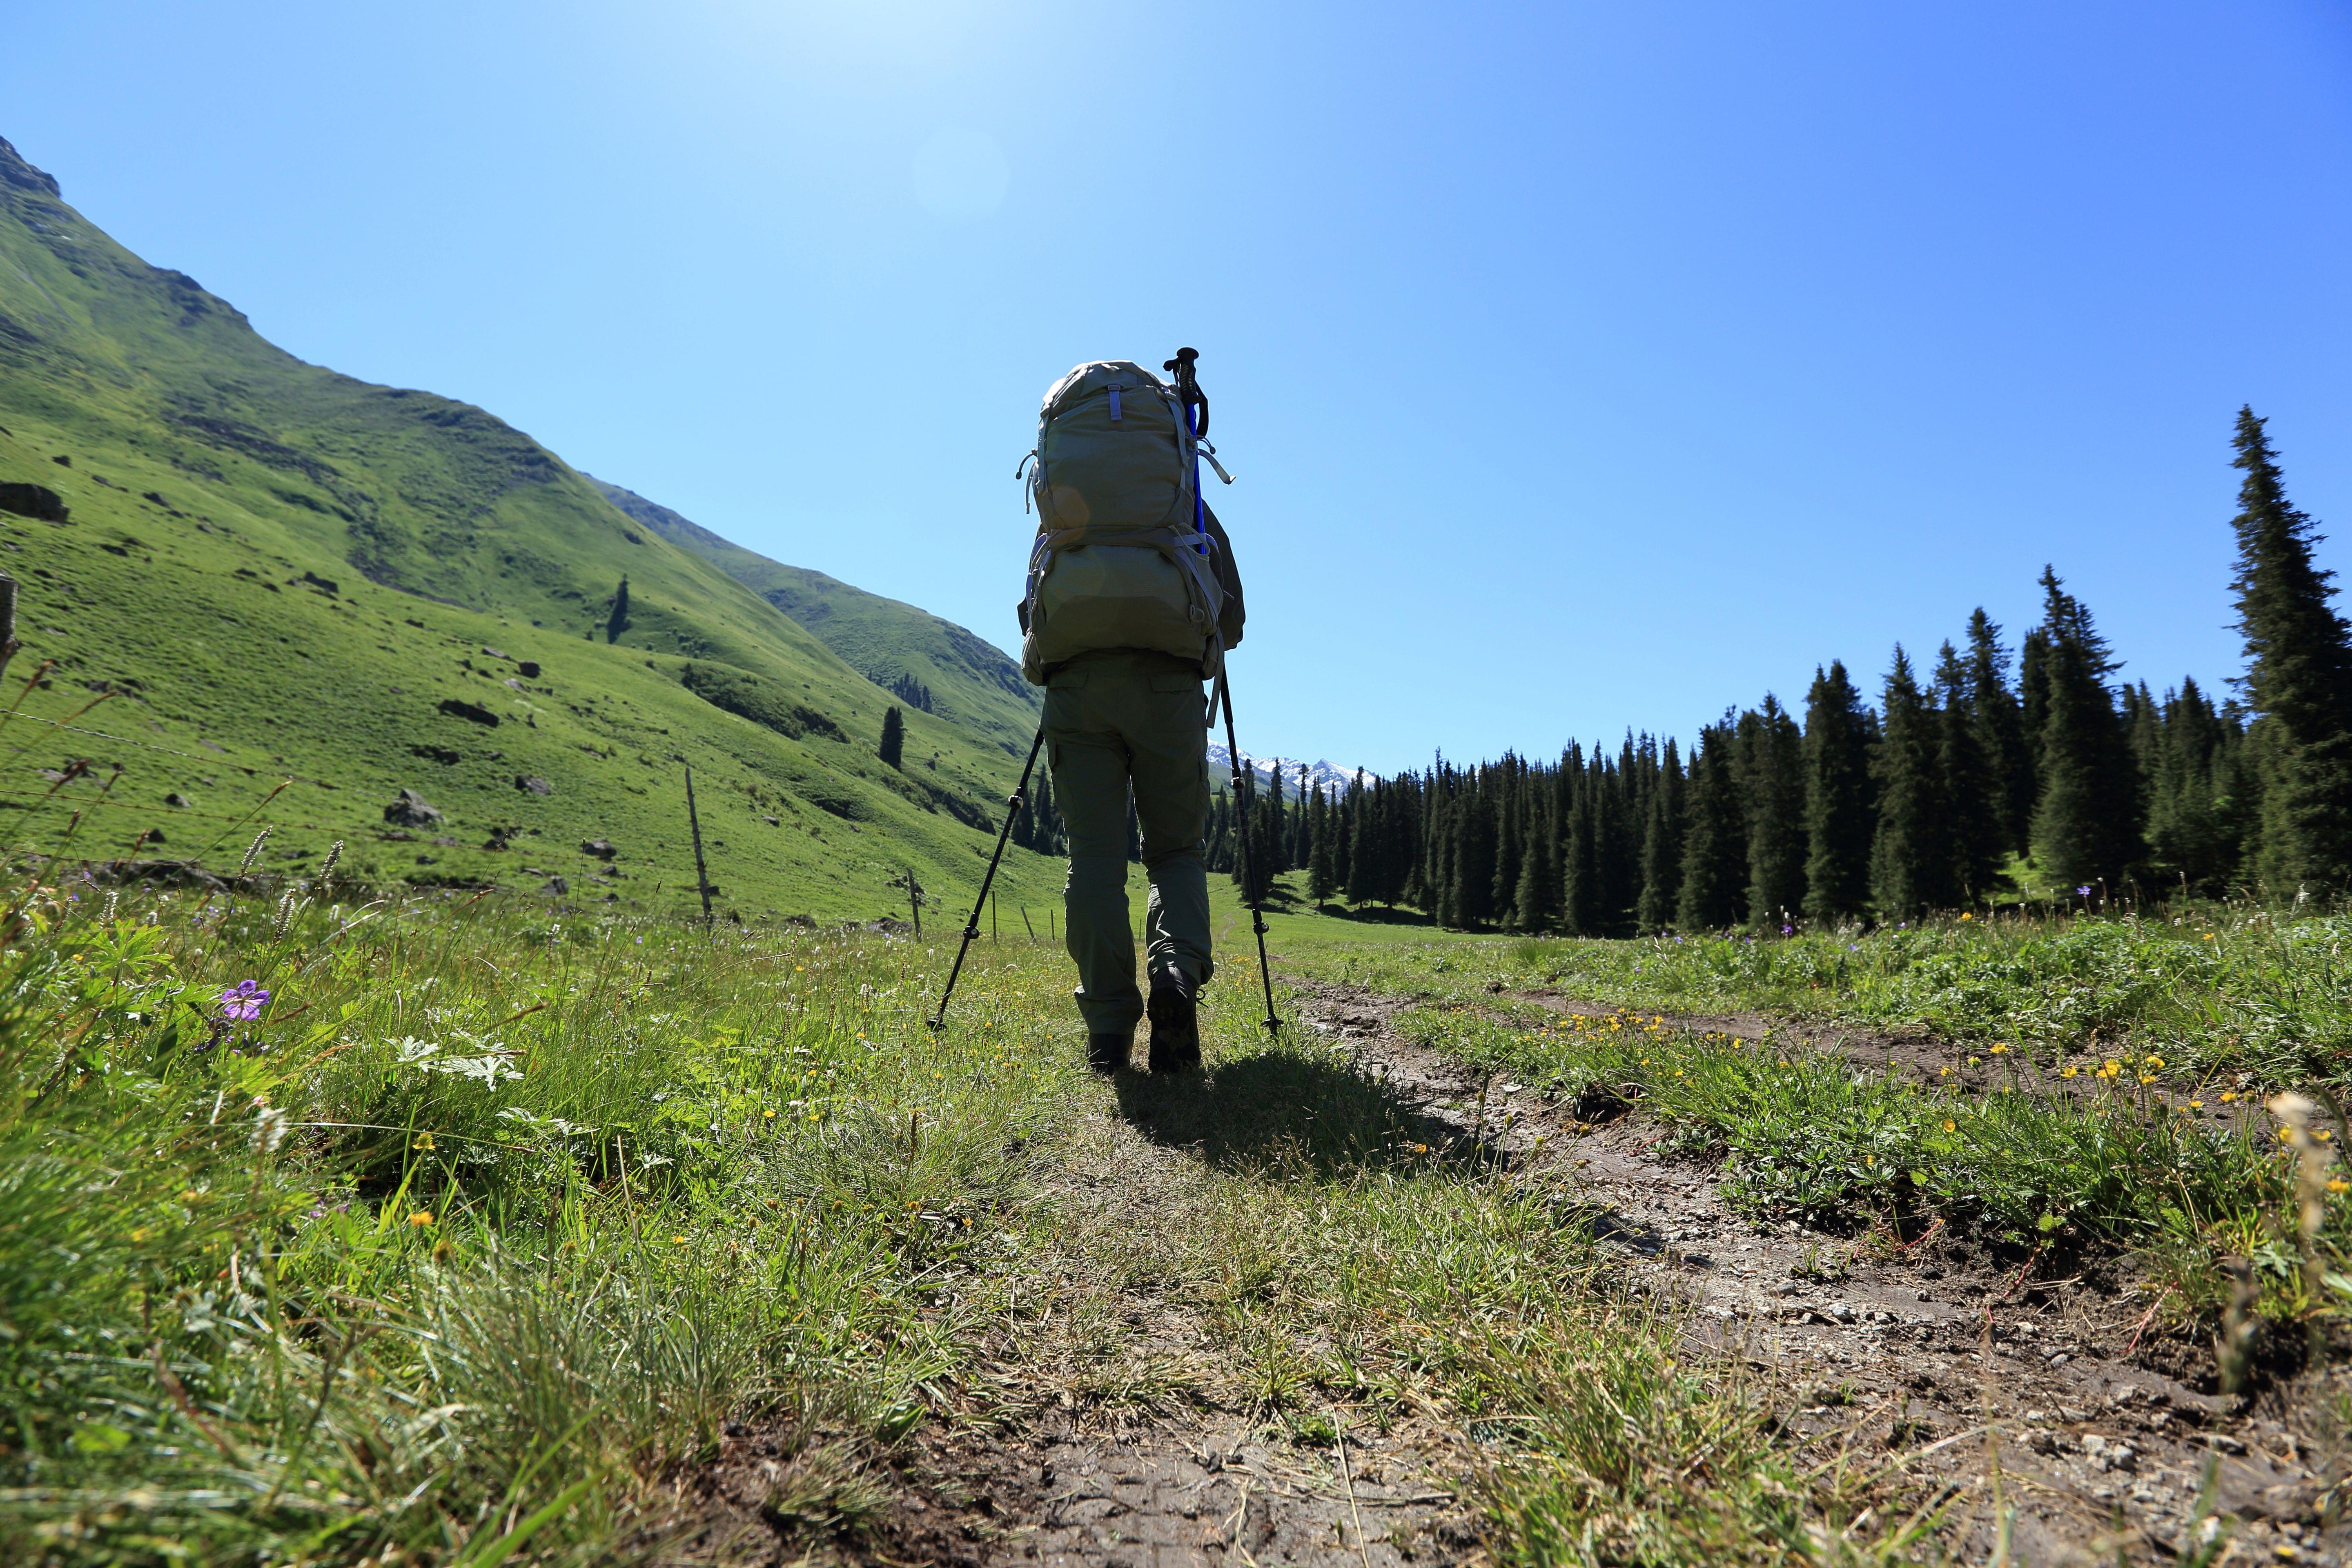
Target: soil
(1935, 1356)
(2034, 1385)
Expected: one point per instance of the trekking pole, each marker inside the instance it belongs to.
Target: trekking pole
(1014, 803)
(1196, 426)
(1241, 833)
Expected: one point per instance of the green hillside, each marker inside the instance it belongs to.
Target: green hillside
(270, 570)
(939, 665)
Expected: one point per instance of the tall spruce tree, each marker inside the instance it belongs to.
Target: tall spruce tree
(2000, 732)
(2197, 815)
(1322, 862)
(1910, 855)
(1839, 817)
(1714, 837)
(2298, 679)
(1662, 847)
(1770, 762)
(1972, 812)
(893, 737)
(2086, 821)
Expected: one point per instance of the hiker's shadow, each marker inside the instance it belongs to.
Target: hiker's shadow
(1285, 1106)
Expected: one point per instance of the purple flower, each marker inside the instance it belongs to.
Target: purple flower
(1788, 930)
(243, 1002)
(2083, 892)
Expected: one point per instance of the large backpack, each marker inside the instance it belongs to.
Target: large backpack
(1119, 561)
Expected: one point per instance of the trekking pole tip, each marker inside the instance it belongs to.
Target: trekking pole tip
(937, 1025)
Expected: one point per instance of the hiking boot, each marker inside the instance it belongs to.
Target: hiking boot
(1175, 1025)
(1106, 1054)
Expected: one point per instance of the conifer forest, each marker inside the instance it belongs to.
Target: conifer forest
(1991, 773)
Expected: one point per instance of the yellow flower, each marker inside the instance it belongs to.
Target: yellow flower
(2153, 1062)
(2285, 1134)
(424, 1141)
(1870, 1159)
(2070, 1072)
(2147, 1077)
(1966, 916)
(1974, 1060)
(2209, 936)
(2196, 1105)
(2339, 1185)
(2228, 1095)
(769, 1113)
(1950, 1126)
(1945, 1072)
(1999, 1047)
(677, 1241)
(421, 1218)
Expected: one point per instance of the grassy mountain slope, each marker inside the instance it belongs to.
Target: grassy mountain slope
(277, 570)
(884, 640)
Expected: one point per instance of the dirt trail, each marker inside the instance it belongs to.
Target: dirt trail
(1991, 1386)
(1926, 1358)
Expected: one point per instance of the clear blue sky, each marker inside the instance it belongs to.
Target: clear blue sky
(1582, 366)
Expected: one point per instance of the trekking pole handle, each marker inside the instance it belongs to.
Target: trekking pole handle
(1188, 389)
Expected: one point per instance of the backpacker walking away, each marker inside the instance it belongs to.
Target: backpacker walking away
(1132, 602)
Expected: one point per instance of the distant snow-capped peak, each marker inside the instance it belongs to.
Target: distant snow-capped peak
(1334, 778)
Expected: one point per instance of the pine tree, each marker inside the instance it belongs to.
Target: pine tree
(1838, 816)
(2086, 821)
(2195, 813)
(2000, 732)
(1769, 759)
(618, 621)
(1662, 847)
(1365, 856)
(1714, 837)
(2298, 679)
(1910, 855)
(893, 737)
(1972, 814)
(1322, 868)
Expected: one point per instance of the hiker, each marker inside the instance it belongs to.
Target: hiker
(1132, 602)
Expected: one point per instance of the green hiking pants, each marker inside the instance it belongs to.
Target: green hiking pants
(1117, 721)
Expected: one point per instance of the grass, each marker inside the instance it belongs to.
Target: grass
(467, 1247)
(2213, 988)
(273, 571)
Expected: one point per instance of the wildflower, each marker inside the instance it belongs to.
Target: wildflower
(1950, 1126)
(2083, 891)
(677, 1241)
(2070, 1072)
(2147, 1077)
(1974, 1060)
(769, 1113)
(1966, 916)
(2152, 1061)
(1998, 1047)
(2209, 936)
(421, 1220)
(243, 1002)
(2228, 1095)
(1944, 1072)
(2196, 1105)
(2339, 1185)
(423, 1142)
